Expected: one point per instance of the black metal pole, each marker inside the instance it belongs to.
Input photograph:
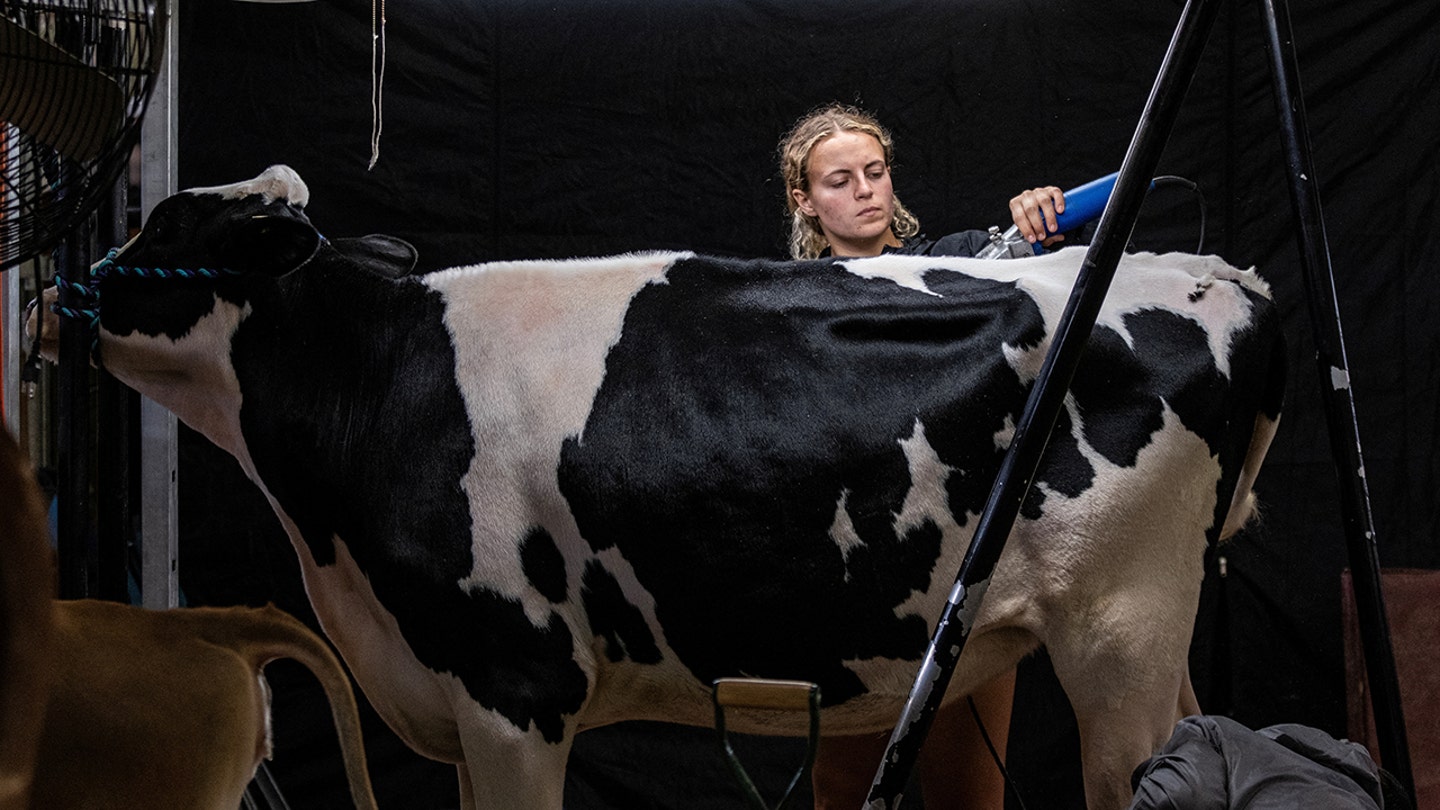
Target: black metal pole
(115, 438)
(1032, 433)
(75, 535)
(1339, 401)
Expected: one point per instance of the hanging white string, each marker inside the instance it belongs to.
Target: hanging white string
(377, 78)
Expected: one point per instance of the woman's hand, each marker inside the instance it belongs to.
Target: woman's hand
(50, 340)
(1034, 213)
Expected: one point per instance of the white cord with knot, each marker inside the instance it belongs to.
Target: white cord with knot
(377, 77)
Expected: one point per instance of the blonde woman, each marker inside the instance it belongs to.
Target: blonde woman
(836, 165)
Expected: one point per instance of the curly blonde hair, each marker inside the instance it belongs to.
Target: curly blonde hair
(807, 240)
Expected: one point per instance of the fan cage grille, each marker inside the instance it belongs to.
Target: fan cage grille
(93, 70)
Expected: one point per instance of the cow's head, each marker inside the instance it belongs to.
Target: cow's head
(167, 304)
(252, 227)
(201, 249)
(197, 249)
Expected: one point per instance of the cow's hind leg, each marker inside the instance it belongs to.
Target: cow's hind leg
(467, 793)
(1123, 667)
(510, 767)
(1189, 705)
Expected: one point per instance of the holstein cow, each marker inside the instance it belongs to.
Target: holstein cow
(531, 498)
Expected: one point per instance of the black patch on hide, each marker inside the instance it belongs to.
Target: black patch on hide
(741, 401)
(615, 619)
(543, 565)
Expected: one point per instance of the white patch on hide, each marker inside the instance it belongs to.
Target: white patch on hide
(278, 182)
(895, 267)
(530, 341)
(1025, 361)
(842, 530)
(418, 703)
(1142, 281)
(927, 498)
(1006, 434)
(191, 377)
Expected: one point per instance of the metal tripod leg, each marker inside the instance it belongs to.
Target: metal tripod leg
(1338, 399)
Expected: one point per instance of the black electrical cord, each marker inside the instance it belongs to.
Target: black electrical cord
(1199, 201)
(995, 755)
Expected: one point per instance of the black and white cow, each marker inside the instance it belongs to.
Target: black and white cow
(531, 498)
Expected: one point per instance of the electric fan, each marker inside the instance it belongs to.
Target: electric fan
(75, 78)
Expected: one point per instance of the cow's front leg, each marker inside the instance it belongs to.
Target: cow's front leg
(506, 766)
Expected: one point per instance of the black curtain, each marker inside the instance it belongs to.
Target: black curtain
(517, 129)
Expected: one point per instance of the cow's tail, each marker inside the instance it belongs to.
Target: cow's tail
(262, 635)
(1243, 503)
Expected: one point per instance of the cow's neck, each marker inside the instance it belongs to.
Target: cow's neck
(327, 371)
(190, 376)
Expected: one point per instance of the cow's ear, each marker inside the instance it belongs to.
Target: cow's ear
(378, 253)
(273, 245)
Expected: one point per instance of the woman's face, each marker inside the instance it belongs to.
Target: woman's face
(850, 194)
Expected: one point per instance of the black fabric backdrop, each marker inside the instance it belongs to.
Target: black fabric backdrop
(517, 129)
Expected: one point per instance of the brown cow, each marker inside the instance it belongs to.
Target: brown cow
(104, 704)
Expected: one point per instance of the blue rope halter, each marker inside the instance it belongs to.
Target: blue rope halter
(88, 293)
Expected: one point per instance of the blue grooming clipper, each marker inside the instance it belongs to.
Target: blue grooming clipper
(1083, 204)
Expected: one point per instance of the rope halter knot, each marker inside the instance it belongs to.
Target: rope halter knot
(86, 294)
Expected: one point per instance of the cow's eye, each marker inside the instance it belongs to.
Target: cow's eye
(159, 227)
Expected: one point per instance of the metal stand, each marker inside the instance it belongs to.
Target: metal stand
(1047, 397)
(11, 332)
(93, 436)
(115, 438)
(1339, 401)
(159, 445)
(76, 552)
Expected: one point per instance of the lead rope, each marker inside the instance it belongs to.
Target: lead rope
(89, 292)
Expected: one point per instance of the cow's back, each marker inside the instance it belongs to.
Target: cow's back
(773, 469)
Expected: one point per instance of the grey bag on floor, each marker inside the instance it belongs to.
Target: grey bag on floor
(1215, 763)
